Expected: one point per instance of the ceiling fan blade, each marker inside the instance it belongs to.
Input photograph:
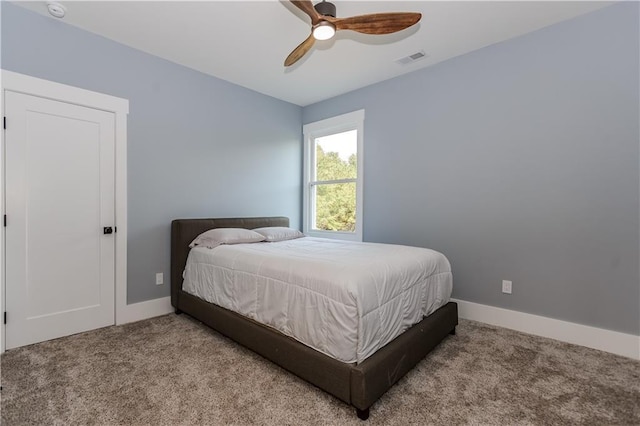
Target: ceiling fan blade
(299, 51)
(377, 23)
(307, 7)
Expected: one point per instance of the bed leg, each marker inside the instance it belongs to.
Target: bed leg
(178, 311)
(362, 414)
(453, 332)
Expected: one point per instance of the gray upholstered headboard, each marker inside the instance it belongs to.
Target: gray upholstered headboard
(183, 231)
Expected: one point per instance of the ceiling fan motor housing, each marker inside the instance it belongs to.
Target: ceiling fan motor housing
(325, 8)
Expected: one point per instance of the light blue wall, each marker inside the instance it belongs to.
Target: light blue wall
(197, 146)
(519, 162)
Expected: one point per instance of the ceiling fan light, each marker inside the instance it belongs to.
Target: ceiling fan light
(324, 30)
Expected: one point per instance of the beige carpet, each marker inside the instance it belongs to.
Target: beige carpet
(173, 370)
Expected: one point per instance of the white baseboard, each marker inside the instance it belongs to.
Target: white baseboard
(592, 337)
(144, 310)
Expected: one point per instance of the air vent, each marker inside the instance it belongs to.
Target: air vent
(411, 58)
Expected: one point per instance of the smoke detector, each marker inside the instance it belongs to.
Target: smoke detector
(56, 9)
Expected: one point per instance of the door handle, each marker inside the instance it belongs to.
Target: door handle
(107, 230)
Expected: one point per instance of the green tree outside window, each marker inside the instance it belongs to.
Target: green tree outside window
(335, 202)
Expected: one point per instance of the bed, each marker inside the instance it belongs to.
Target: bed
(360, 383)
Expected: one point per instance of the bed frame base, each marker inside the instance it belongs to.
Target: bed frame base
(359, 385)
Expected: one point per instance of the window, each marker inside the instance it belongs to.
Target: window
(333, 173)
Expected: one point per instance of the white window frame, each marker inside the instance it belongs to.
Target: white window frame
(342, 123)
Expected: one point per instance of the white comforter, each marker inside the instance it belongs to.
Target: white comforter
(344, 299)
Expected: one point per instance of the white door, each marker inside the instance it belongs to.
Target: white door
(59, 192)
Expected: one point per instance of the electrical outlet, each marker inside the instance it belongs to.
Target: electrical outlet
(506, 286)
(159, 278)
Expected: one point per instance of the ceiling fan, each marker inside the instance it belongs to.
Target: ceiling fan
(324, 24)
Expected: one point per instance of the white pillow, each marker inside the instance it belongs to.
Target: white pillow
(279, 233)
(218, 236)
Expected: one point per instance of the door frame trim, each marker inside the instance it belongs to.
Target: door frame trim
(22, 83)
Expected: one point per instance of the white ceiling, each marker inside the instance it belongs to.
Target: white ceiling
(246, 42)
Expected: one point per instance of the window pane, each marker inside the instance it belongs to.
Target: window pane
(337, 155)
(335, 207)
